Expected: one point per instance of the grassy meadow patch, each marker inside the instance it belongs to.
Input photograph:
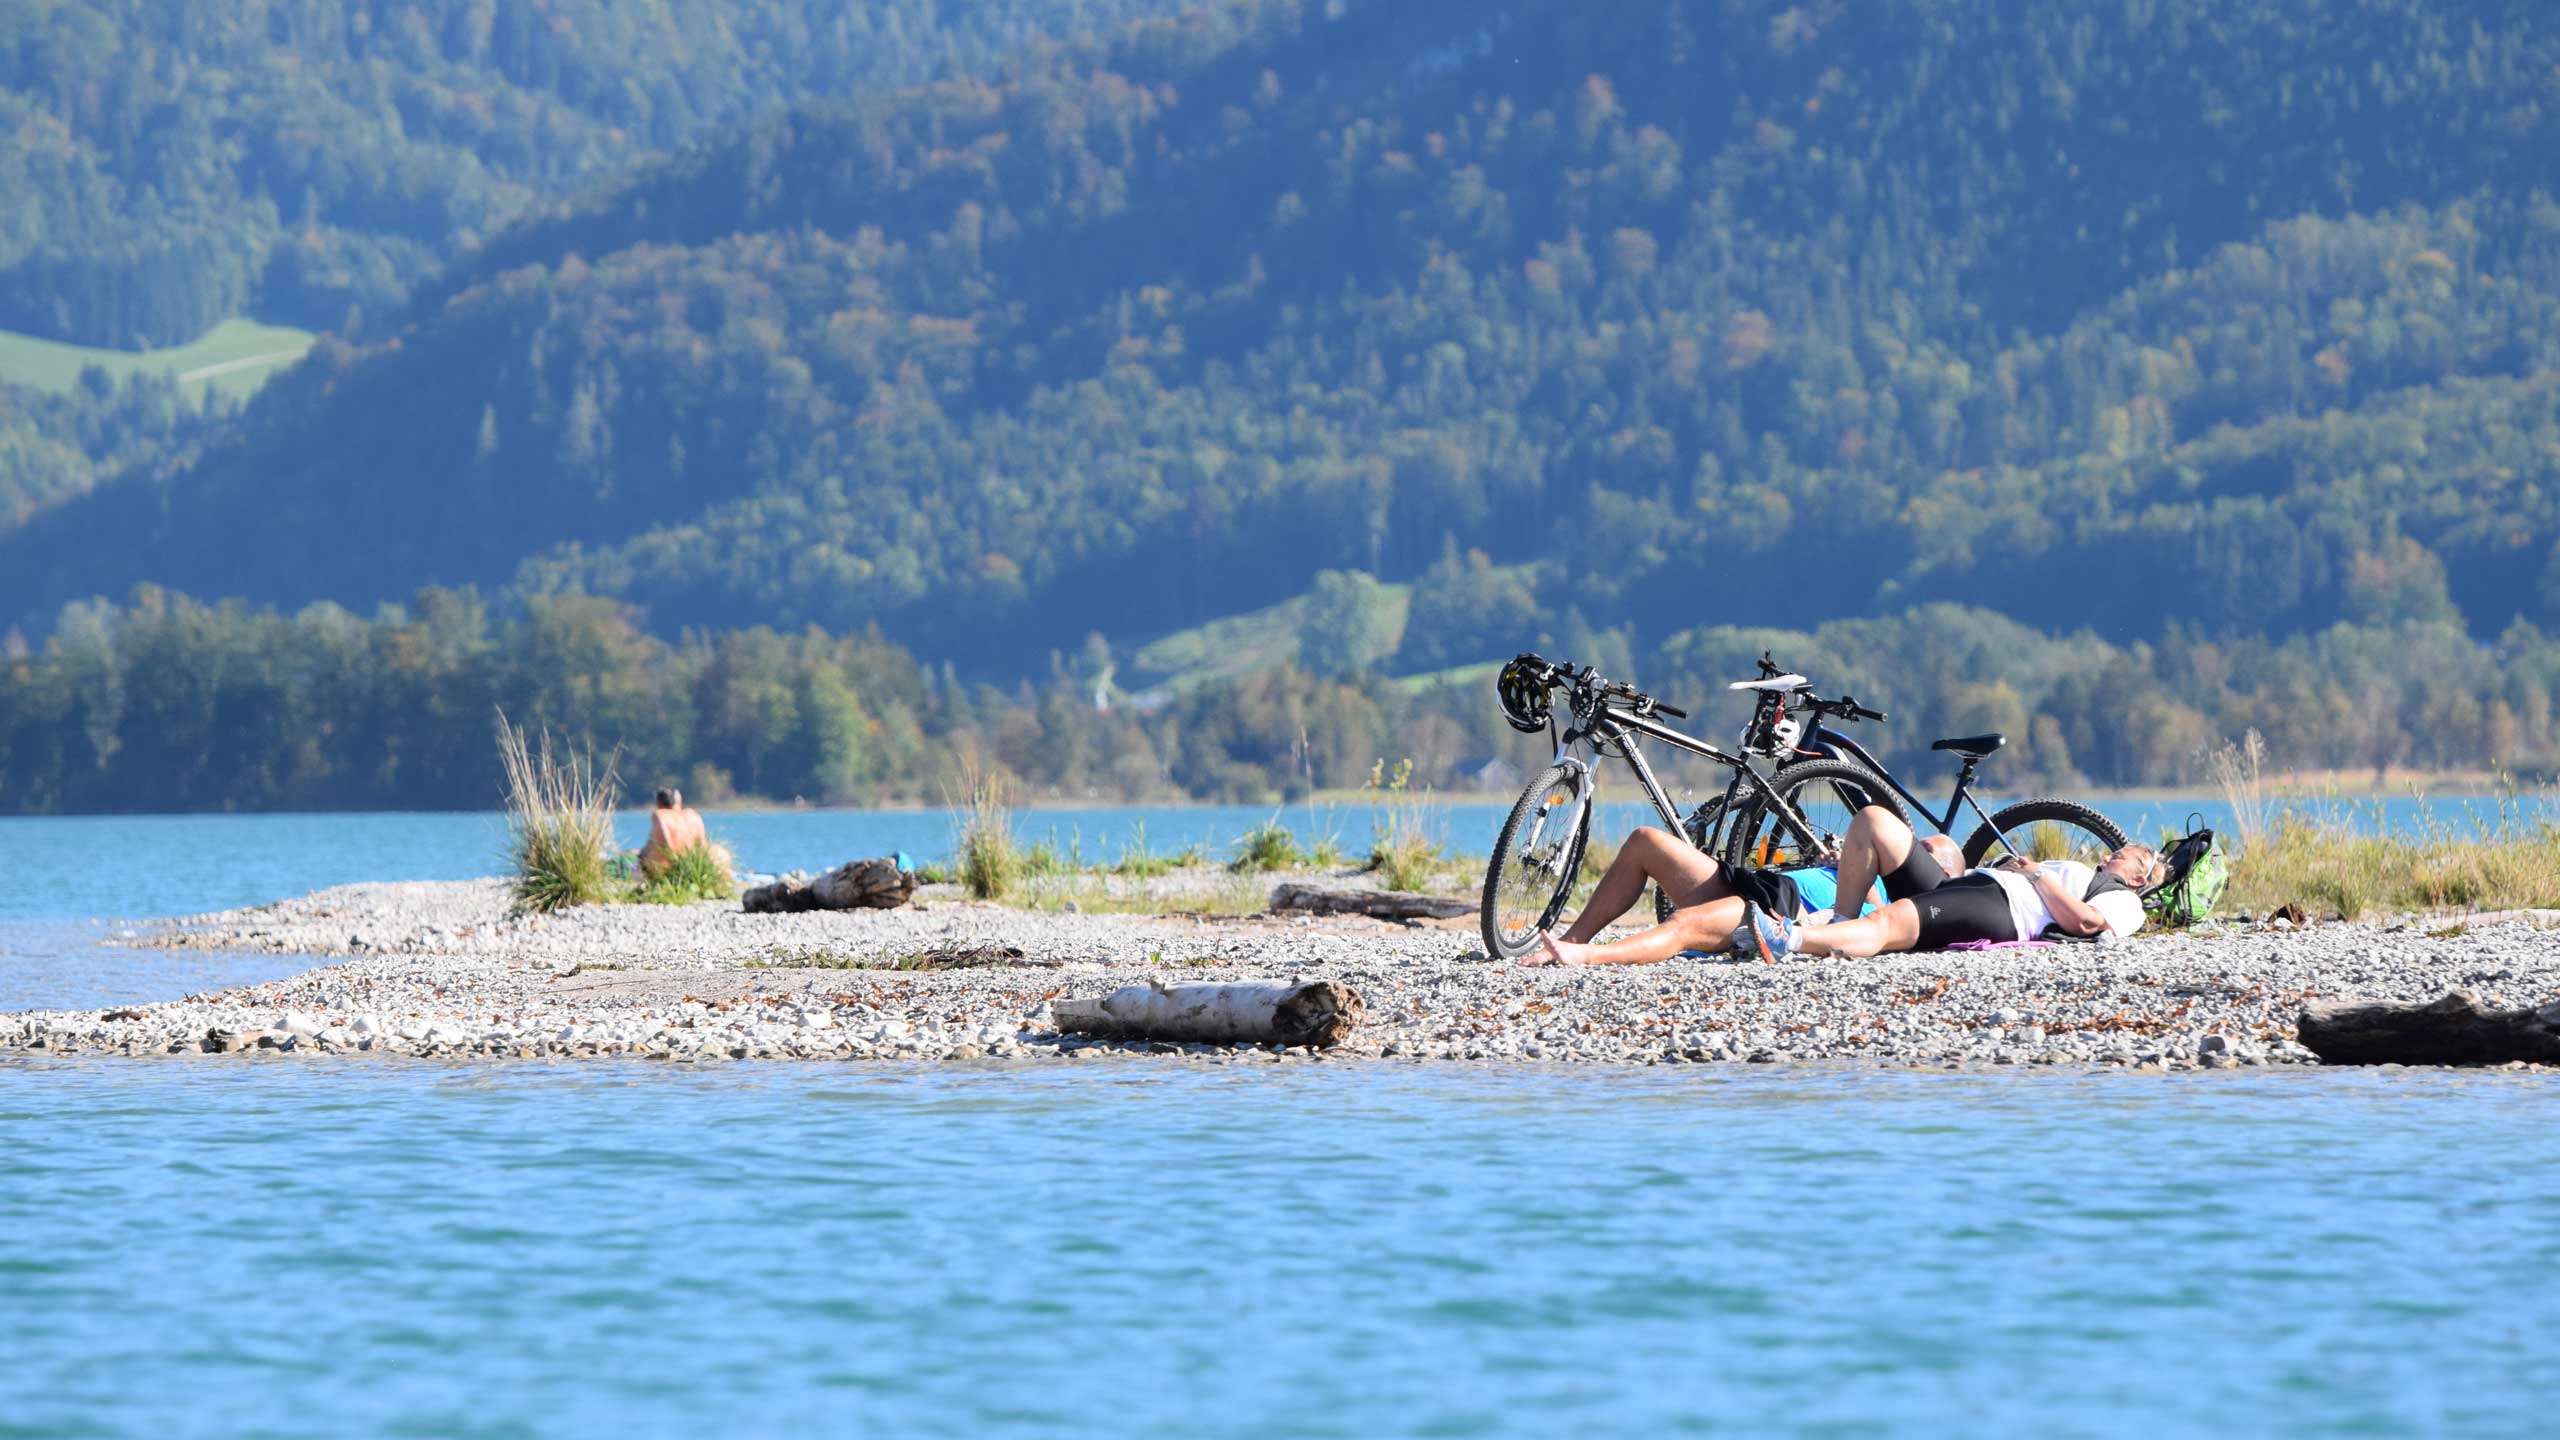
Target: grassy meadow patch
(235, 358)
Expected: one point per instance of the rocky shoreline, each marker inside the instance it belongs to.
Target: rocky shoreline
(444, 969)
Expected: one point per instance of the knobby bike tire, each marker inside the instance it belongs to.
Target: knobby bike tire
(2027, 814)
(1574, 780)
(1699, 826)
(1753, 840)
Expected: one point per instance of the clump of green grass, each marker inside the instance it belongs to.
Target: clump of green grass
(560, 808)
(1402, 853)
(1267, 846)
(2333, 862)
(989, 863)
(701, 873)
(1326, 853)
(2326, 867)
(1135, 859)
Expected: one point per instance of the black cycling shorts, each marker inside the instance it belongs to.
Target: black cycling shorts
(1972, 906)
(1916, 875)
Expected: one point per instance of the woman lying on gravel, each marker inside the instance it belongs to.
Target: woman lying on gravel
(1710, 905)
(1932, 909)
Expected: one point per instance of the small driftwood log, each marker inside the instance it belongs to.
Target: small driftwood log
(858, 885)
(1253, 1013)
(2453, 1030)
(1377, 904)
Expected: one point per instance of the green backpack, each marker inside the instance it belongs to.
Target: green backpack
(2192, 882)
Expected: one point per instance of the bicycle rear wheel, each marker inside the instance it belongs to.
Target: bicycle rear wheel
(1537, 860)
(2045, 830)
(1828, 794)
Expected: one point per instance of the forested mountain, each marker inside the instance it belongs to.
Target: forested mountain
(2176, 332)
(169, 164)
(2234, 313)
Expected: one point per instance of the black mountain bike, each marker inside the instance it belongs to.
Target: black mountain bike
(1789, 802)
(1538, 858)
(2044, 828)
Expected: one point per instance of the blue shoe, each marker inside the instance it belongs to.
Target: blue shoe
(1763, 934)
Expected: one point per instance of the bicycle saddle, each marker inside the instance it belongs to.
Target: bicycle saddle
(1972, 746)
(1774, 682)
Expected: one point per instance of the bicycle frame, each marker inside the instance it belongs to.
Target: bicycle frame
(1830, 743)
(1611, 726)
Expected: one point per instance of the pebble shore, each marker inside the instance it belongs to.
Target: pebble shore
(445, 969)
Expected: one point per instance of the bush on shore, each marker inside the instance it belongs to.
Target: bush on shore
(1267, 846)
(989, 862)
(701, 873)
(559, 821)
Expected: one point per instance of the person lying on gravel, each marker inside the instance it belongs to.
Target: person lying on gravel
(1709, 903)
(673, 829)
(1931, 908)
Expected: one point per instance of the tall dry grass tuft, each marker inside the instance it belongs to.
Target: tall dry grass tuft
(2240, 771)
(559, 821)
(1402, 852)
(989, 862)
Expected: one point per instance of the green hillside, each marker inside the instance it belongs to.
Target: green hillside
(2194, 360)
(171, 164)
(2184, 312)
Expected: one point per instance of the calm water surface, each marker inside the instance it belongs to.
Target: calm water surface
(1337, 1250)
(104, 866)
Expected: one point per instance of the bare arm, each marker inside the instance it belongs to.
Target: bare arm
(2069, 911)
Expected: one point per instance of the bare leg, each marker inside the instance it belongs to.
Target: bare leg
(1876, 844)
(1650, 854)
(1708, 925)
(1893, 928)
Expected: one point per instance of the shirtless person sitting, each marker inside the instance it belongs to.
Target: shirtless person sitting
(1709, 904)
(1933, 908)
(673, 829)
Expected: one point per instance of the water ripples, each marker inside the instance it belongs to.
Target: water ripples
(1336, 1250)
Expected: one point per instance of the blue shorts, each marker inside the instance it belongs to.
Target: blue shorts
(1820, 890)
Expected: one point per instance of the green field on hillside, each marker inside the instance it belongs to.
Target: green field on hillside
(1234, 646)
(235, 357)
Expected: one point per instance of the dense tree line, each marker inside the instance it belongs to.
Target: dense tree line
(165, 703)
(171, 164)
(2226, 316)
(54, 447)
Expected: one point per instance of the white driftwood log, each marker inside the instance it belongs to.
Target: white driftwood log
(1378, 904)
(1319, 1013)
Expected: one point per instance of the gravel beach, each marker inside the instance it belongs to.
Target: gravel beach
(445, 969)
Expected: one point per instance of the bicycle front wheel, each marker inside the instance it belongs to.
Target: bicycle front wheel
(1536, 860)
(2045, 830)
(1826, 794)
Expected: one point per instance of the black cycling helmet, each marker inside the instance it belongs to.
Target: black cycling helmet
(1523, 688)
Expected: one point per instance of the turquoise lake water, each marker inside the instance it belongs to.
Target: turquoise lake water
(1151, 1249)
(1147, 1248)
